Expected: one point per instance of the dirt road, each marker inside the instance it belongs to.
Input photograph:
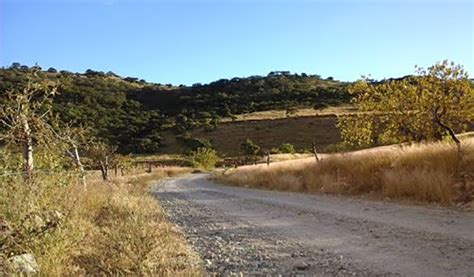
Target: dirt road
(267, 232)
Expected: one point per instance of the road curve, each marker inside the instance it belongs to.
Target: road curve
(258, 232)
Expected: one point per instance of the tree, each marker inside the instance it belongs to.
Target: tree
(101, 154)
(205, 158)
(286, 148)
(73, 137)
(15, 65)
(24, 113)
(426, 106)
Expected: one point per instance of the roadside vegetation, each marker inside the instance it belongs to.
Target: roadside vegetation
(431, 172)
(56, 218)
(112, 228)
(424, 110)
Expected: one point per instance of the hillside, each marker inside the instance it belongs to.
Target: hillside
(266, 133)
(134, 115)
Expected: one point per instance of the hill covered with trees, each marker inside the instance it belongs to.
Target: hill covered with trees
(131, 113)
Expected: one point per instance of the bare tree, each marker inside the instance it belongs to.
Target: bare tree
(101, 153)
(73, 137)
(23, 117)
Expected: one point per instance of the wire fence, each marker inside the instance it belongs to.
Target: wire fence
(38, 172)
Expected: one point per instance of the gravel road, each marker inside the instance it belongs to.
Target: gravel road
(255, 232)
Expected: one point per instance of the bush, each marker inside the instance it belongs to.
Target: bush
(286, 148)
(249, 147)
(193, 144)
(204, 158)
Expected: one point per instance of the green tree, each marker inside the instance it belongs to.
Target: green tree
(204, 158)
(286, 148)
(426, 106)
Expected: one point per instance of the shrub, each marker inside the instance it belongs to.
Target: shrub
(286, 148)
(249, 147)
(204, 158)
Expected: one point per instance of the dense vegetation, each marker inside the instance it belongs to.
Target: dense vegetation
(277, 90)
(130, 113)
(428, 105)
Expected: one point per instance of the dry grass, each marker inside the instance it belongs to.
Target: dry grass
(421, 172)
(268, 134)
(277, 114)
(113, 228)
(268, 129)
(285, 157)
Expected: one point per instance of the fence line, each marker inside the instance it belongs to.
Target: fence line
(18, 173)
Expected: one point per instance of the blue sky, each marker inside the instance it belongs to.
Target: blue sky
(184, 42)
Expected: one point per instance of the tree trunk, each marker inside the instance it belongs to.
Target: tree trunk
(451, 132)
(82, 173)
(27, 149)
(268, 158)
(104, 168)
(315, 153)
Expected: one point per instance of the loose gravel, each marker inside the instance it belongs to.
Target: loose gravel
(239, 231)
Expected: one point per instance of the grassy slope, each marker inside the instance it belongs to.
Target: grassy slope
(269, 129)
(426, 172)
(277, 114)
(299, 131)
(114, 228)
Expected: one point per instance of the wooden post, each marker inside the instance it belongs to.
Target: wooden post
(268, 158)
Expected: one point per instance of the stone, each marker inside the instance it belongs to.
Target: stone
(25, 264)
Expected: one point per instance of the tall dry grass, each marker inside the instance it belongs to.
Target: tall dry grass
(432, 172)
(113, 228)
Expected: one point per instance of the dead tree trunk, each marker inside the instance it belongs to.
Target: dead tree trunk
(315, 152)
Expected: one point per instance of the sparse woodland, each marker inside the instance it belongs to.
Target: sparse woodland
(421, 114)
(74, 194)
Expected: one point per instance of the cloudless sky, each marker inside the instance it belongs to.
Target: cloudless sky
(184, 42)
